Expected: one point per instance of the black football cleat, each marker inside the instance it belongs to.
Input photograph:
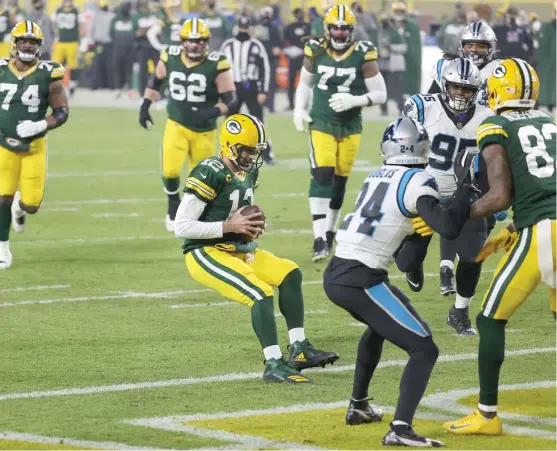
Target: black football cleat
(320, 250)
(404, 435)
(362, 412)
(415, 279)
(446, 281)
(459, 320)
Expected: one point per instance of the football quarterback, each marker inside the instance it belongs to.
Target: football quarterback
(343, 76)
(222, 254)
(29, 87)
(197, 80)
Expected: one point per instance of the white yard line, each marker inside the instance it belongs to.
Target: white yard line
(34, 288)
(448, 401)
(34, 438)
(115, 215)
(237, 377)
(83, 153)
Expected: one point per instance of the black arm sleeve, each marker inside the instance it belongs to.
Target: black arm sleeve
(154, 83)
(229, 98)
(411, 254)
(446, 220)
(434, 88)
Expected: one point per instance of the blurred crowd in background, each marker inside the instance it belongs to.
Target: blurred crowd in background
(118, 43)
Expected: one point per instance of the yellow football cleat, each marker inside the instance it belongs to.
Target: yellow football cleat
(475, 423)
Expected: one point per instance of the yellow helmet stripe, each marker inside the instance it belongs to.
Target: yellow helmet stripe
(524, 78)
(341, 13)
(529, 78)
(261, 134)
(28, 27)
(194, 26)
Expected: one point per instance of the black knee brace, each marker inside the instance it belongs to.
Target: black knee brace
(323, 175)
(339, 189)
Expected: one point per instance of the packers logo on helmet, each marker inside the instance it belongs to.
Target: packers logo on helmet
(26, 41)
(195, 36)
(512, 84)
(243, 139)
(339, 23)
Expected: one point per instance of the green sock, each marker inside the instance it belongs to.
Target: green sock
(5, 221)
(291, 299)
(491, 354)
(171, 186)
(264, 323)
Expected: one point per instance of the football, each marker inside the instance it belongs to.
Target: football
(250, 209)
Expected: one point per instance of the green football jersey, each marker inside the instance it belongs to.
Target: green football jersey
(224, 192)
(171, 33)
(4, 24)
(192, 88)
(529, 140)
(24, 96)
(332, 75)
(67, 23)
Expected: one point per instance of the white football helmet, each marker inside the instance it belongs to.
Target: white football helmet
(462, 76)
(405, 142)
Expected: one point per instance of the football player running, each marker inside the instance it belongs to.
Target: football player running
(451, 119)
(518, 145)
(344, 77)
(196, 81)
(167, 32)
(221, 251)
(28, 87)
(357, 278)
(478, 43)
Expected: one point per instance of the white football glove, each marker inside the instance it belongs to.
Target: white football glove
(26, 129)
(342, 101)
(300, 118)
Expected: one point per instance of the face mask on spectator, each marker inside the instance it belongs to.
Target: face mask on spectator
(211, 5)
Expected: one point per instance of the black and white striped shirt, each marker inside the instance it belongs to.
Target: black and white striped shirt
(250, 62)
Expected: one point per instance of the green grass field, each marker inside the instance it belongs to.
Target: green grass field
(103, 331)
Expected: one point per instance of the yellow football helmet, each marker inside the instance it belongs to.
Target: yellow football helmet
(243, 139)
(339, 23)
(26, 30)
(512, 84)
(195, 35)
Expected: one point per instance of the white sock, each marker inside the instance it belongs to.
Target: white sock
(487, 409)
(296, 334)
(272, 352)
(461, 301)
(400, 423)
(4, 245)
(319, 206)
(448, 263)
(332, 220)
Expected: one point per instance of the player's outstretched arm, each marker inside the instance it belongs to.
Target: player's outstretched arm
(499, 195)
(152, 92)
(58, 101)
(447, 221)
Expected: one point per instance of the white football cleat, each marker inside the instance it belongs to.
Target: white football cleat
(169, 223)
(18, 215)
(5, 255)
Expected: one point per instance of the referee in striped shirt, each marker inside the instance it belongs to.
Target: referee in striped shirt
(251, 72)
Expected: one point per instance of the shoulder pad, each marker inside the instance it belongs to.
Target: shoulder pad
(437, 69)
(4, 61)
(493, 127)
(174, 50)
(416, 106)
(222, 62)
(368, 49)
(55, 69)
(204, 180)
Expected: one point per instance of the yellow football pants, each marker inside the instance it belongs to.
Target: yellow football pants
(329, 151)
(66, 53)
(530, 261)
(234, 276)
(179, 143)
(4, 49)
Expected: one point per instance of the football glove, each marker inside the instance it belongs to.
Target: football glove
(343, 101)
(26, 129)
(420, 227)
(301, 117)
(504, 239)
(205, 114)
(145, 118)
(464, 168)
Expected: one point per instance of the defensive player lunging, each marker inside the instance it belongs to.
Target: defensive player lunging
(518, 146)
(344, 77)
(357, 278)
(222, 254)
(451, 119)
(196, 81)
(28, 87)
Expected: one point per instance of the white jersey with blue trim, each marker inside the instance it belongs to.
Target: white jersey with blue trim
(447, 135)
(485, 72)
(382, 216)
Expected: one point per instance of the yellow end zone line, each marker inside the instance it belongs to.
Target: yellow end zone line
(220, 378)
